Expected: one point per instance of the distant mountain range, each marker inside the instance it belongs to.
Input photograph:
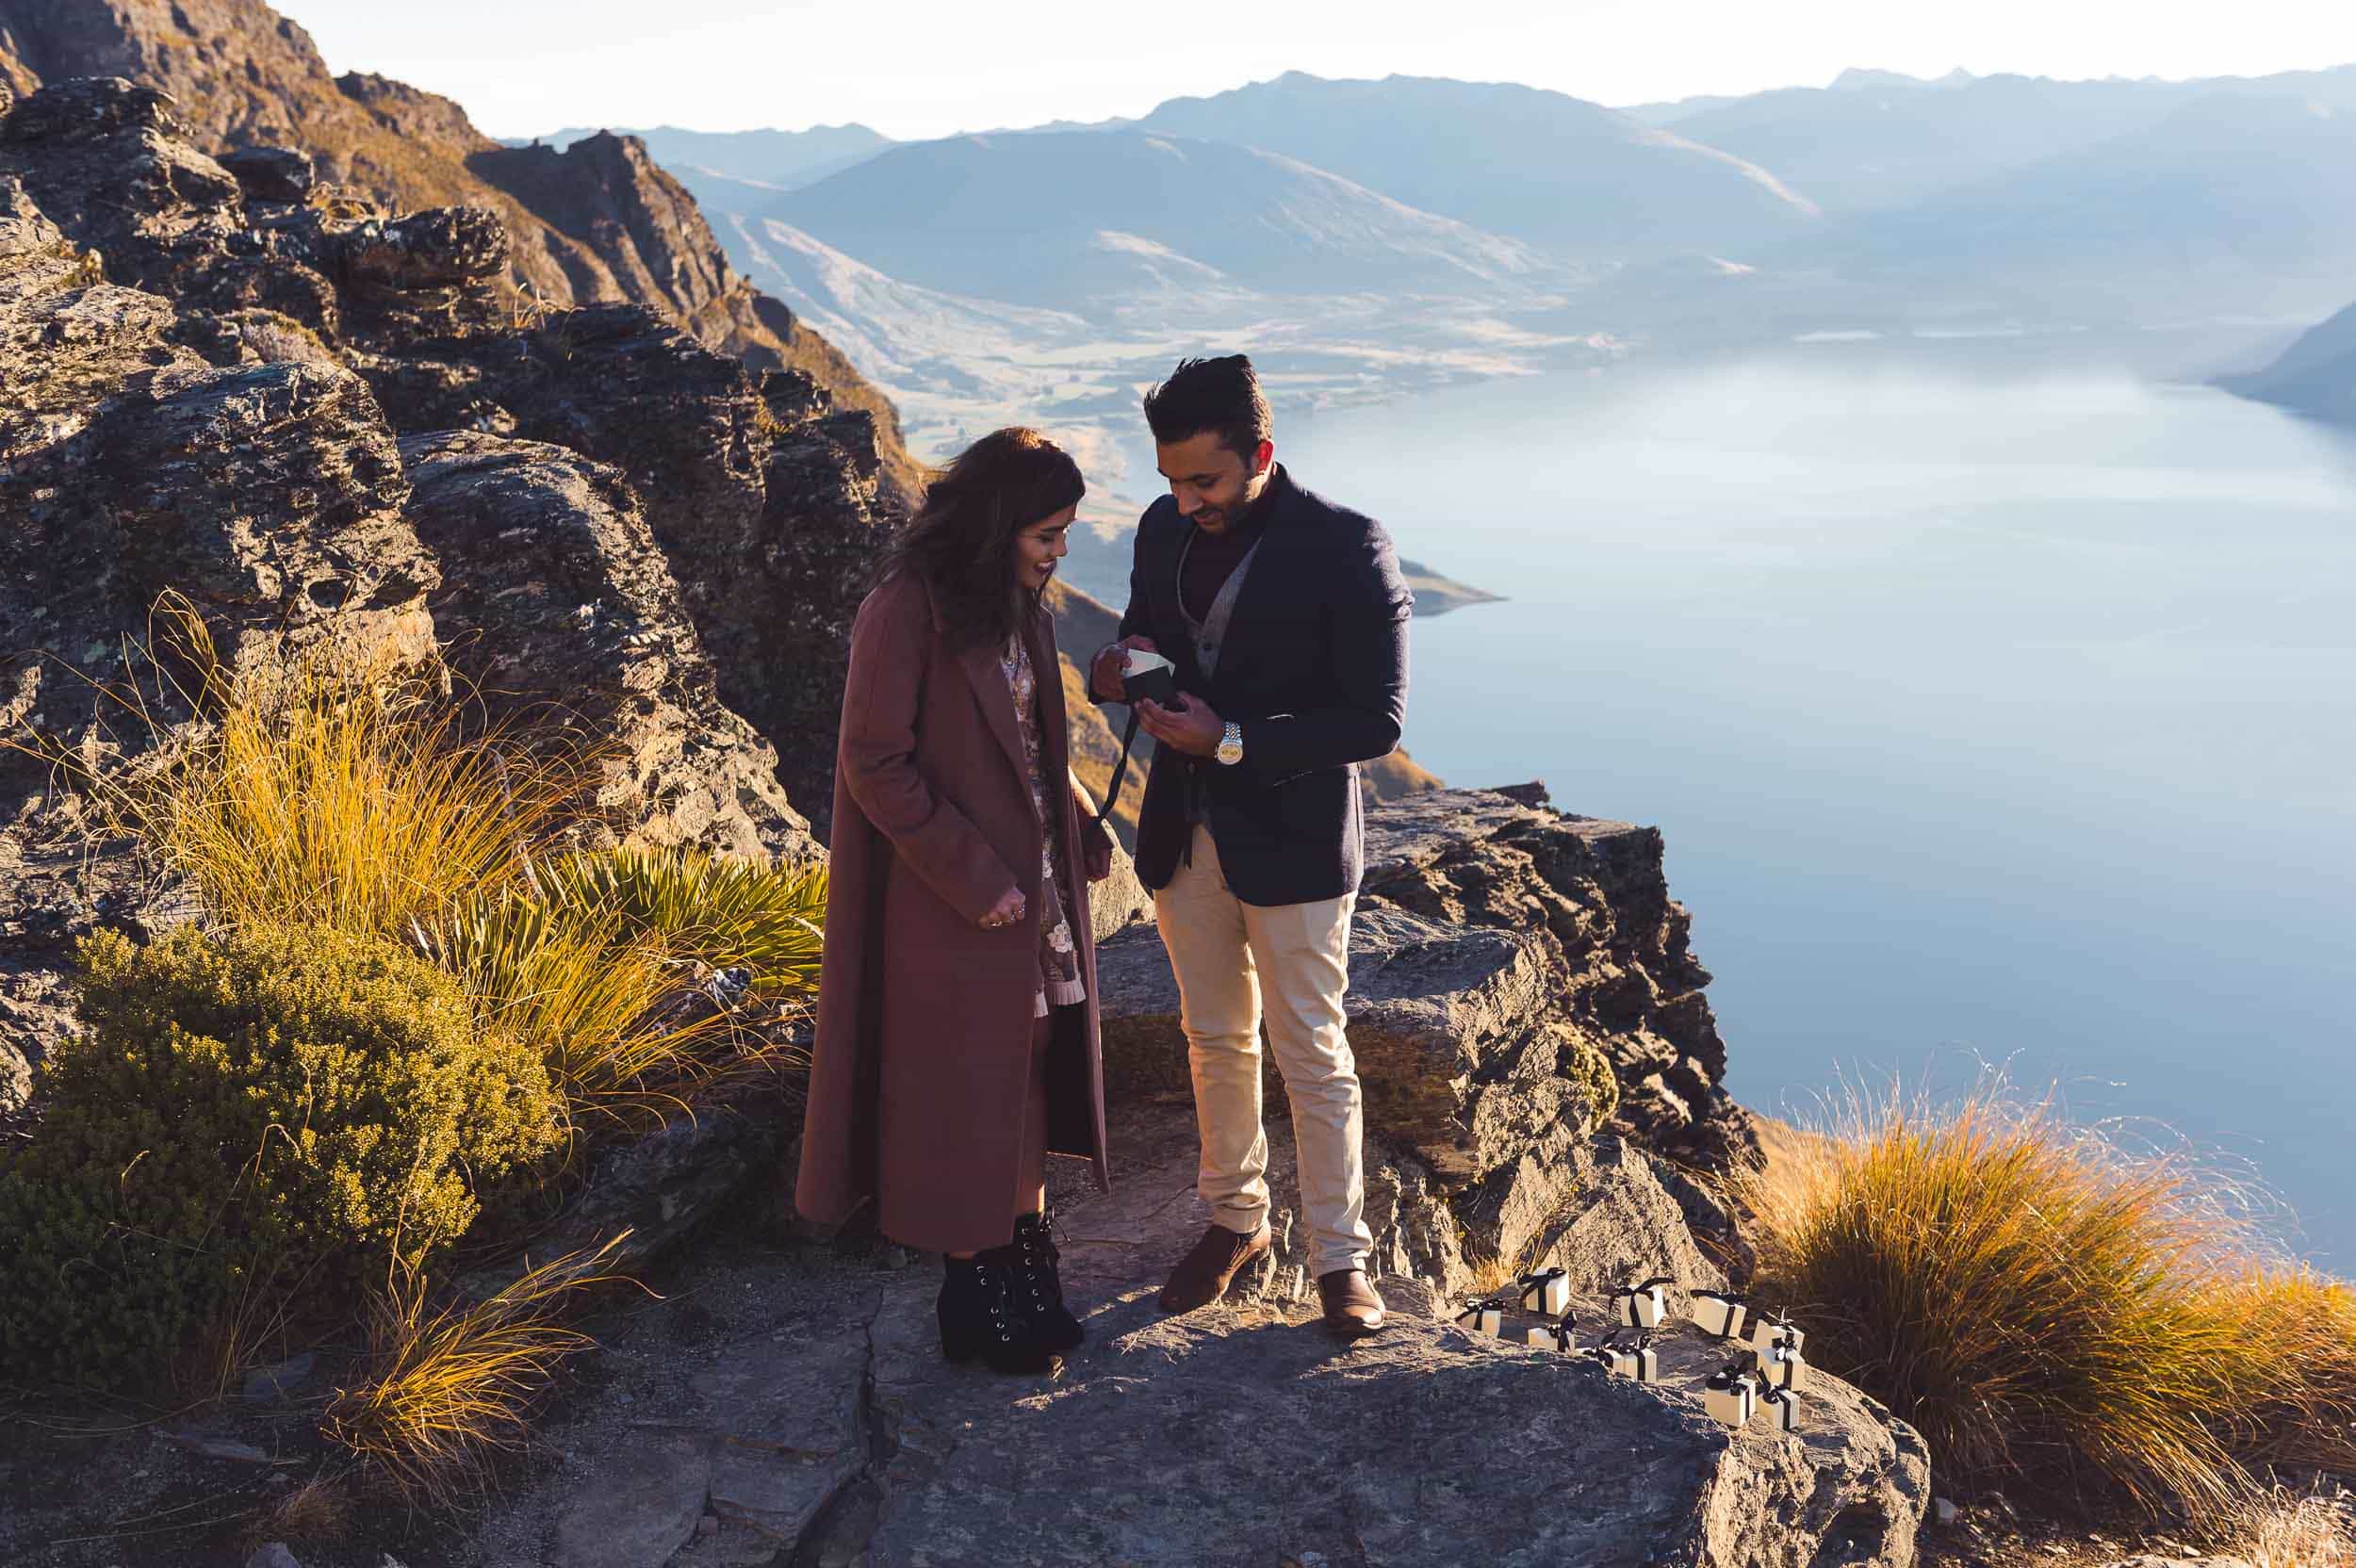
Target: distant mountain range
(779, 160)
(1065, 217)
(1371, 237)
(1877, 139)
(1582, 180)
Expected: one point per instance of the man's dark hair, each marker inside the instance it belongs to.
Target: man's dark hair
(1222, 395)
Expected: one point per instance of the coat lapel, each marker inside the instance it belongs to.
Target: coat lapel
(1263, 587)
(1048, 669)
(989, 680)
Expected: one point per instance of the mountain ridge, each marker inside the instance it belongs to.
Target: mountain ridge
(608, 224)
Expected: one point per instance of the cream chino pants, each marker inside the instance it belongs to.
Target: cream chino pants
(1233, 959)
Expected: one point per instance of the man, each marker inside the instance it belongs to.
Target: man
(1286, 618)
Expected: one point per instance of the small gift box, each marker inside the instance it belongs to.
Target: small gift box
(1482, 1317)
(1783, 1409)
(1643, 1304)
(1782, 1367)
(1554, 1336)
(1768, 1333)
(1548, 1291)
(1731, 1395)
(1639, 1359)
(1719, 1313)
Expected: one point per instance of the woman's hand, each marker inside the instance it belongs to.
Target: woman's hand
(1006, 911)
(1096, 855)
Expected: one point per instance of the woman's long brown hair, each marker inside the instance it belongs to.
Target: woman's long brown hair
(960, 543)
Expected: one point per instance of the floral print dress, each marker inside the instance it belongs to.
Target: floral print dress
(1060, 983)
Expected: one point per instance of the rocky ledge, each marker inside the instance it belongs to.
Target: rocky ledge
(808, 1417)
(1520, 980)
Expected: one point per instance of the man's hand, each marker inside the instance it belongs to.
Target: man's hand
(1006, 911)
(1190, 727)
(1105, 673)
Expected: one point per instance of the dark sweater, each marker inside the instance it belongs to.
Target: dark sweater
(1212, 558)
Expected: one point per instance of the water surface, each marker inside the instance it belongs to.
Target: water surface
(1996, 711)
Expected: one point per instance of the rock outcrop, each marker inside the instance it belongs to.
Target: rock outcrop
(312, 422)
(598, 222)
(1520, 981)
(810, 1418)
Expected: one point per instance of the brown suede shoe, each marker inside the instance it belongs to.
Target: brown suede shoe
(1353, 1310)
(1203, 1275)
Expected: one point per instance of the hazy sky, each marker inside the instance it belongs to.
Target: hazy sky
(932, 68)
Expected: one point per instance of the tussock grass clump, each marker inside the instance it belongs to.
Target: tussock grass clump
(2039, 1302)
(337, 789)
(250, 1127)
(2286, 1530)
(612, 963)
(352, 808)
(767, 922)
(448, 1389)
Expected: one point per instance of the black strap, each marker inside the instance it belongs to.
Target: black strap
(1121, 769)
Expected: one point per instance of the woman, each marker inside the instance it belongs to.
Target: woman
(957, 1012)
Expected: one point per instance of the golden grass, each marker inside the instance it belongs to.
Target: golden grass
(2286, 1530)
(767, 922)
(317, 1512)
(451, 1389)
(2039, 1302)
(591, 1004)
(333, 787)
(598, 957)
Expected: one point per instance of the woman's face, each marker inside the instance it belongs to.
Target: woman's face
(1037, 548)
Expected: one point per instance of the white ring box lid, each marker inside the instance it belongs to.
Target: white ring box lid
(1140, 661)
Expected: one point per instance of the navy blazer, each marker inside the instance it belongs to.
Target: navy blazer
(1314, 669)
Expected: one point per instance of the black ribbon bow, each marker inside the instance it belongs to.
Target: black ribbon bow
(1474, 1308)
(1745, 1365)
(1561, 1330)
(1738, 1303)
(1538, 1280)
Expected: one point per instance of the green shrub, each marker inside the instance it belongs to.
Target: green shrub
(250, 1128)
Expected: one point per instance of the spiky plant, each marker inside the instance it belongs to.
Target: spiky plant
(449, 1388)
(767, 920)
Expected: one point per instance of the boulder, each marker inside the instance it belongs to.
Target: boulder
(270, 173)
(1487, 1069)
(556, 602)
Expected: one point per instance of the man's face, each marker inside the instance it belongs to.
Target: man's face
(1212, 483)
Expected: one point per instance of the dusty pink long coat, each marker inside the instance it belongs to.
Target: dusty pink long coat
(917, 1089)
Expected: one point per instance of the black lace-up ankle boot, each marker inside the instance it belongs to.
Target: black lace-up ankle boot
(979, 1316)
(1037, 1287)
